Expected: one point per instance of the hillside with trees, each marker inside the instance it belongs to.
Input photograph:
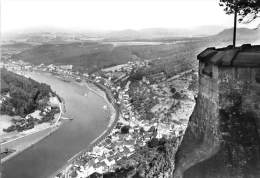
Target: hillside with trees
(91, 57)
(172, 55)
(20, 95)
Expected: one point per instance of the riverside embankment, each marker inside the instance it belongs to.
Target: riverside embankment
(50, 154)
(24, 140)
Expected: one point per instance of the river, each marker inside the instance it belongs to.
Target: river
(50, 154)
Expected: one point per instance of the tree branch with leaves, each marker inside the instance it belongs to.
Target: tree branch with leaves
(246, 10)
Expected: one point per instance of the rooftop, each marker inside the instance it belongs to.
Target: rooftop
(243, 56)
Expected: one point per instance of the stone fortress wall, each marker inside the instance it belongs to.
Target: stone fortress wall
(223, 136)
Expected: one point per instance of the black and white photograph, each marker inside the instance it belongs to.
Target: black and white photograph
(130, 89)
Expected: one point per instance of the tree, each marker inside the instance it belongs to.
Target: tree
(142, 130)
(173, 90)
(247, 10)
(153, 143)
(125, 129)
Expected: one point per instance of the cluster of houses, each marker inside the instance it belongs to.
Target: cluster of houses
(114, 150)
(17, 66)
(60, 69)
(37, 117)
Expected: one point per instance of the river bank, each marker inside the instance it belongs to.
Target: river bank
(19, 142)
(26, 141)
(23, 143)
(106, 94)
(50, 154)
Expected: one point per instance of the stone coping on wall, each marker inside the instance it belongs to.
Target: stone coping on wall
(243, 56)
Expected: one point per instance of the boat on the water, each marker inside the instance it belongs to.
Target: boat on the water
(105, 107)
(67, 118)
(65, 79)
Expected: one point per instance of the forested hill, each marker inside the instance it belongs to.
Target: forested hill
(173, 54)
(94, 56)
(21, 95)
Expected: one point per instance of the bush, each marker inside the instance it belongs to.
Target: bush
(177, 96)
(173, 90)
(154, 142)
(141, 130)
(125, 129)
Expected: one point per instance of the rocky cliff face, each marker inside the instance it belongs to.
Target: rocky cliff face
(223, 136)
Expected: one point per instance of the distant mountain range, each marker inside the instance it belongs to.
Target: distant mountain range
(173, 51)
(242, 34)
(131, 35)
(128, 34)
(162, 33)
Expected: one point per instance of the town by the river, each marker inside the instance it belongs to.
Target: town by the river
(89, 121)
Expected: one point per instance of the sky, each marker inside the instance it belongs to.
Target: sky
(77, 15)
